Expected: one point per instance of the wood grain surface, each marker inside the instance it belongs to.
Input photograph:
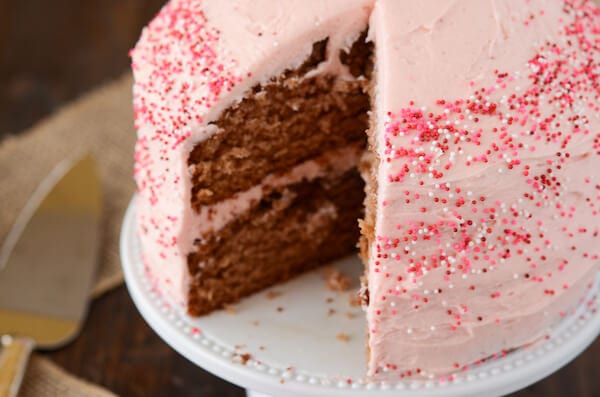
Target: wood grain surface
(51, 52)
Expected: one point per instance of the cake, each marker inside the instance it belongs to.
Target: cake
(463, 134)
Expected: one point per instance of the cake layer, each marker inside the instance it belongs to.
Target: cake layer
(293, 229)
(281, 124)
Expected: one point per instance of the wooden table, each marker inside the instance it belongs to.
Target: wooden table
(52, 51)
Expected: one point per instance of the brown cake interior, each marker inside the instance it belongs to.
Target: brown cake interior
(277, 126)
(289, 232)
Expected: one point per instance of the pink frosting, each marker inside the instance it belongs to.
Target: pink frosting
(487, 215)
(487, 200)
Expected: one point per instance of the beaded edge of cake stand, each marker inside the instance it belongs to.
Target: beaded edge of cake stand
(518, 358)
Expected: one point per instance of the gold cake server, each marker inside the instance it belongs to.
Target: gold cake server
(47, 264)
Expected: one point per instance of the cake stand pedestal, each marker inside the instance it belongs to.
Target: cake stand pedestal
(301, 339)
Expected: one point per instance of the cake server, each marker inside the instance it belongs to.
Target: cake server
(47, 264)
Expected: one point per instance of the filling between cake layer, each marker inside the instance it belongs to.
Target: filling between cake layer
(277, 188)
(212, 218)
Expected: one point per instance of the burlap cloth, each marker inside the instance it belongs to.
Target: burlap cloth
(102, 123)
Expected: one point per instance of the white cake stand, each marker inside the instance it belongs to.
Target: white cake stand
(300, 339)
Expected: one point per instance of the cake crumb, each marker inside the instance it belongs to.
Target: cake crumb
(229, 309)
(245, 358)
(242, 358)
(261, 348)
(349, 315)
(329, 300)
(273, 294)
(256, 323)
(331, 312)
(342, 337)
(336, 280)
(354, 300)
(280, 309)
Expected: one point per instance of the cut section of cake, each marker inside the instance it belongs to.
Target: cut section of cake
(474, 125)
(251, 119)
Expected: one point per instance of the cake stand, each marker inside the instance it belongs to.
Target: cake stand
(301, 339)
